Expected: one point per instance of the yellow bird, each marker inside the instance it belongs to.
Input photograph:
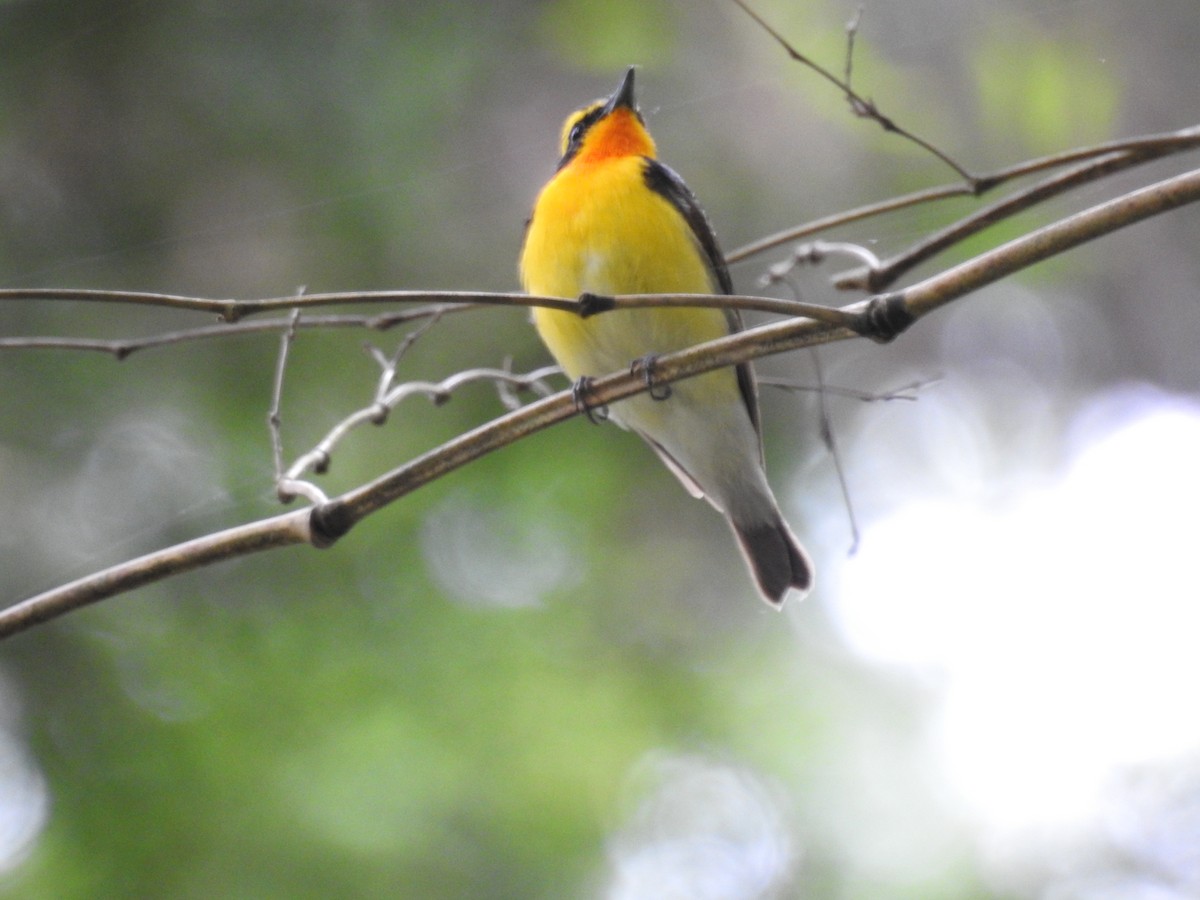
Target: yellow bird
(615, 220)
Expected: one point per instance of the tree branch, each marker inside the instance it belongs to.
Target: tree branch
(233, 311)
(881, 276)
(863, 107)
(1050, 240)
(122, 348)
(317, 459)
(242, 540)
(1097, 161)
(882, 316)
(1128, 153)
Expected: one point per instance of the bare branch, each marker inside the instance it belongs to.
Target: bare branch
(508, 388)
(274, 419)
(389, 364)
(1133, 152)
(1050, 240)
(904, 392)
(816, 253)
(242, 540)
(829, 438)
(862, 106)
(317, 460)
(785, 275)
(851, 34)
(883, 316)
(140, 298)
(878, 276)
(123, 348)
(235, 310)
(286, 489)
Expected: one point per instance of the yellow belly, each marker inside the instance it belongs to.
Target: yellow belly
(600, 230)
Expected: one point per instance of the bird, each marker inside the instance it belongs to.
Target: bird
(612, 220)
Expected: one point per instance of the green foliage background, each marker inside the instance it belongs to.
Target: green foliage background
(465, 696)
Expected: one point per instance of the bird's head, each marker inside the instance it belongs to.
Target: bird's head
(608, 128)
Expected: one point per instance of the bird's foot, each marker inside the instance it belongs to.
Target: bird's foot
(579, 392)
(645, 368)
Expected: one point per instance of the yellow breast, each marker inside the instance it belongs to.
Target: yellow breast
(598, 228)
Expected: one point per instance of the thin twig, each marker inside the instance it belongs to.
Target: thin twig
(376, 413)
(389, 364)
(862, 106)
(828, 436)
(317, 459)
(286, 489)
(815, 253)
(508, 388)
(851, 34)
(122, 348)
(904, 392)
(235, 310)
(274, 418)
(829, 439)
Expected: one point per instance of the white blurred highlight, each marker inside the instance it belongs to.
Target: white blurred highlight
(701, 831)
(487, 555)
(24, 798)
(1060, 627)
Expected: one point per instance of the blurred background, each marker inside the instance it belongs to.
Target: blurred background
(547, 675)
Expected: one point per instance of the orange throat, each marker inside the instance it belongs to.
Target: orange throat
(619, 134)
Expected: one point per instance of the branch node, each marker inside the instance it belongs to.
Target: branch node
(591, 304)
(885, 317)
(981, 184)
(378, 416)
(328, 523)
(321, 461)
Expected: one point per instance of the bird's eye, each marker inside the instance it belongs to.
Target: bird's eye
(576, 134)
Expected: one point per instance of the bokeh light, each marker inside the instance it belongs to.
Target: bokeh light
(700, 830)
(24, 797)
(1058, 627)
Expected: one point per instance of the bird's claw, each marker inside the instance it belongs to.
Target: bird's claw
(645, 367)
(579, 392)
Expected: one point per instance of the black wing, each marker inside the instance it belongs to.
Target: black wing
(663, 180)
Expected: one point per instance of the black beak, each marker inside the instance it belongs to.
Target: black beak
(623, 97)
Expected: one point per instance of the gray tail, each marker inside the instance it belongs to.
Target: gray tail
(776, 559)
